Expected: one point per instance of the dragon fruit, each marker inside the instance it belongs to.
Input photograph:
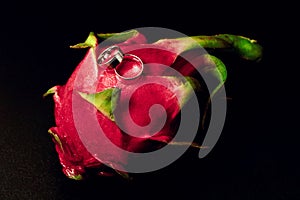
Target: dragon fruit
(98, 93)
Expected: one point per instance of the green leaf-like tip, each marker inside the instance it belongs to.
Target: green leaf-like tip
(247, 48)
(56, 138)
(194, 83)
(184, 88)
(193, 144)
(118, 37)
(91, 41)
(76, 177)
(123, 174)
(50, 91)
(215, 67)
(105, 101)
(220, 70)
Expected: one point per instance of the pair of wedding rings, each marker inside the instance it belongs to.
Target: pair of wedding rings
(126, 66)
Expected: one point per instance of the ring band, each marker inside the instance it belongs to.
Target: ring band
(111, 57)
(130, 68)
(126, 66)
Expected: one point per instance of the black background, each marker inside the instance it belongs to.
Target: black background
(255, 157)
